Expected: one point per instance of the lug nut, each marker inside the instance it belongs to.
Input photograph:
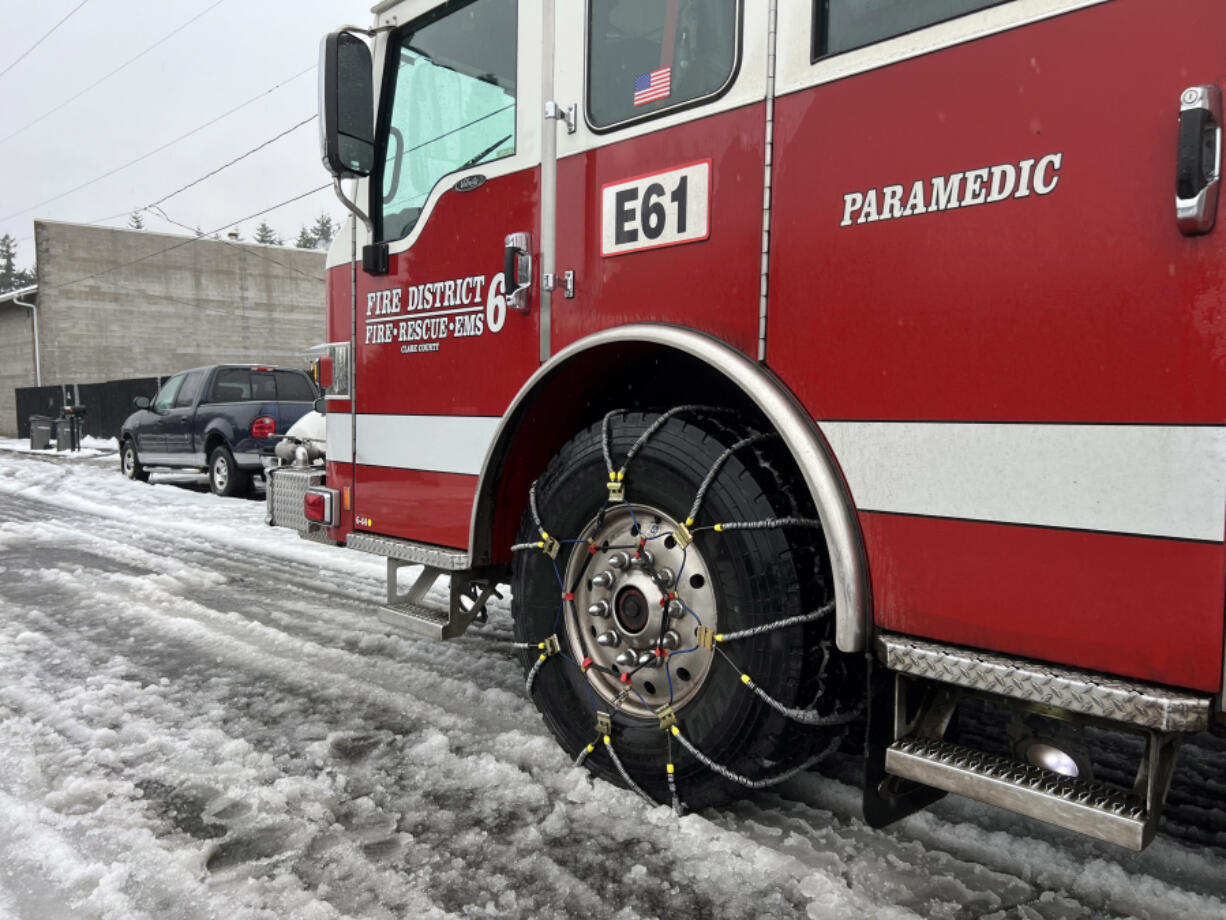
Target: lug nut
(609, 639)
(628, 659)
(676, 609)
(602, 580)
(648, 659)
(619, 560)
(598, 609)
(663, 578)
(670, 640)
(642, 559)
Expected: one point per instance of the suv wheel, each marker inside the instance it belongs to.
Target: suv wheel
(129, 465)
(225, 478)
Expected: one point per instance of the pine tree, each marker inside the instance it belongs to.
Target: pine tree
(266, 235)
(323, 231)
(306, 239)
(10, 278)
(136, 221)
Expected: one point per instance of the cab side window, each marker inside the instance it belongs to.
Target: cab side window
(645, 58)
(166, 395)
(844, 25)
(189, 390)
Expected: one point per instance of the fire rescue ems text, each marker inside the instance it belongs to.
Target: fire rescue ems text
(422, 315)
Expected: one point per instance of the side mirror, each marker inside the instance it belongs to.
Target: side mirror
(321, 406)
(141, 402)
(346, 106)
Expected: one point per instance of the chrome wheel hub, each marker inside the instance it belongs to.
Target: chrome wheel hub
(221, 473)
(639, 600)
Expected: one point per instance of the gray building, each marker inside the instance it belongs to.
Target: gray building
(115, 304)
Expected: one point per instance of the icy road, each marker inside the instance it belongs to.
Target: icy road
(200, 718)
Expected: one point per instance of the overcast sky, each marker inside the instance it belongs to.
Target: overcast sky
(233, 51)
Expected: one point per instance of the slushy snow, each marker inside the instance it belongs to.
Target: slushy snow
(201, 717)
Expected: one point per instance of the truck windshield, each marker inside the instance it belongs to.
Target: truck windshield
(452, 104)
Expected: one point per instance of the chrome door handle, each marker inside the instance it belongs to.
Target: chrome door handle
(1199, 166)
(517, 270)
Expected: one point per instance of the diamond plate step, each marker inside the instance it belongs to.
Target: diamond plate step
(1146, 705)
(416, 620)
(1090, 808)
(439, 557)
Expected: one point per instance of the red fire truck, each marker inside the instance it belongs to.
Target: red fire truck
(815, 372)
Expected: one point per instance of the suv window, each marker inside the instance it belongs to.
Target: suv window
(189, 389)
(263, 388)
(453, 103)
(166, 395)
(843, 25)
(645, 58)
(294, 387)
(232, 384)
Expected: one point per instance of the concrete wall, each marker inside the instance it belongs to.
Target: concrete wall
(16, 360)
(117, 303)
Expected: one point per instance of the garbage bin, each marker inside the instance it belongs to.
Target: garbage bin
(76, 418)
(40, 432)
(63, 433)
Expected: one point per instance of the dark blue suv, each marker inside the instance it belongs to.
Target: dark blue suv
(220, 418)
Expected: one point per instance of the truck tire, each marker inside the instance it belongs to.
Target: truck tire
(129, 464)
(729, 581)
(225, 478)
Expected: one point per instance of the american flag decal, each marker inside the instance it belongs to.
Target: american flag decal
(652, 86)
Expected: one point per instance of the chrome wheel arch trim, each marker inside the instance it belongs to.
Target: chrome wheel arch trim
(817, 463)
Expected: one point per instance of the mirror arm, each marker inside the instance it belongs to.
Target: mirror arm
(353, 208)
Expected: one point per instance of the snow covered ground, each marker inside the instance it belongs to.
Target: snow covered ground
(200, 718)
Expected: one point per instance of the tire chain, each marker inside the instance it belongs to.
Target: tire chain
(550, 647)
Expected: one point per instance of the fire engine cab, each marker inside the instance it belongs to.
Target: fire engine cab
(816, 373)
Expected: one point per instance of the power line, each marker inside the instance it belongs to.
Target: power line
(26, 53)
(154, 209)
(103, 79)
(156, 150)
(241, 156)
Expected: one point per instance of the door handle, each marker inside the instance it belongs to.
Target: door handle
(1199, 166)
(517, 270)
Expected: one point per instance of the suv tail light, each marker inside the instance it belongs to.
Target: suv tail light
(263, 427)
(318, 505)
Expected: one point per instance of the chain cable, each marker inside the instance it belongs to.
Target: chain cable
(719, 463)
(735, 777)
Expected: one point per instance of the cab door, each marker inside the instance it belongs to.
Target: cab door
(660, 185)
(439, 352)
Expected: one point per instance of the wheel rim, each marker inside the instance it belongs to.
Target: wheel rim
(622, 608)
(221, 474)
(129, 461)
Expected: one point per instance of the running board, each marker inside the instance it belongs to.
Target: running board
(410, 613)
(915, 693)
(416, 620)
(1094, 809)
(1144, 705)
(438, 557)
